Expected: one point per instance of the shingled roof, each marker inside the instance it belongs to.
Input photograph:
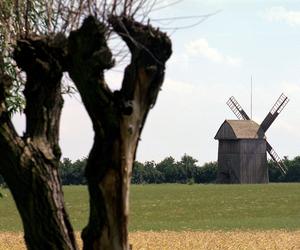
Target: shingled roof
(239, 129)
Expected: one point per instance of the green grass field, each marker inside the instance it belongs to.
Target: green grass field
(188, 207)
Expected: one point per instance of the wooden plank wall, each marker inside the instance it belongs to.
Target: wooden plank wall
(242, 161)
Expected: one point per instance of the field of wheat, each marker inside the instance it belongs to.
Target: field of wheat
(254, 240)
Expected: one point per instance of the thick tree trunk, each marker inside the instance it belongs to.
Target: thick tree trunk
(29, 165)
(117, 118)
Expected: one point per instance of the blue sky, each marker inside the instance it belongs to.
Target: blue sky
(211, 62)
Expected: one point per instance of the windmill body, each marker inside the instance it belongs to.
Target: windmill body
(242, 154)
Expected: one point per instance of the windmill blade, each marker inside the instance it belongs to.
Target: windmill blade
(237, 109)
(281, 102)
(275, 157)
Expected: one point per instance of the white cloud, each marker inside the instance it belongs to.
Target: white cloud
(281, 14)
(201, 47)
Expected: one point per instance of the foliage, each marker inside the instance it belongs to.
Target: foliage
(166, 171)
(72, 173)
(274, 173)
(293, 174)
(151, 174)
(137, 173)
(170, 171)
(168, 167)
(207, 173)
(293, 171)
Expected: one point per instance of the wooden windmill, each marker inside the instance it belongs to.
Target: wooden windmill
(242, 156)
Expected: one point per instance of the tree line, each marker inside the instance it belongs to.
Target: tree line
(185, 171)
(167, 171)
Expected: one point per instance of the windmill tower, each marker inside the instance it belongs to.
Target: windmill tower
(242, 155)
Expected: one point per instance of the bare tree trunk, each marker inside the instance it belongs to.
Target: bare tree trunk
(29, 165)
(118, 118)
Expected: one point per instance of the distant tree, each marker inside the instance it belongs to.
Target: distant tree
(188, 166)
(77, 173)
(274, 173)
(65, 167)
(168, 167)
(207, 173)
(72, 173)
(293, 173)
(138, 172)
(152, 174)
(170, 171)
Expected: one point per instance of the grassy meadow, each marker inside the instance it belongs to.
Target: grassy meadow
(264, 214)
(178, 207)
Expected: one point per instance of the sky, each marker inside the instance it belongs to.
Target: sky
(211, 62)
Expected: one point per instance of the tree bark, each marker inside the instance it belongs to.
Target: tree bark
(29, 164)
(118, 118)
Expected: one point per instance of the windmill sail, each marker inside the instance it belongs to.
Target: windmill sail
(275, 111)
(280, 164)
(237, 109)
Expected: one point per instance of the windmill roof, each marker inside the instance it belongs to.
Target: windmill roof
(239, 129)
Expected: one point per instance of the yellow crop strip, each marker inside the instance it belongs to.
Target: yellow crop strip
(191, 240)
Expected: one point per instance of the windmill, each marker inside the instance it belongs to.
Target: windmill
(243, 146)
